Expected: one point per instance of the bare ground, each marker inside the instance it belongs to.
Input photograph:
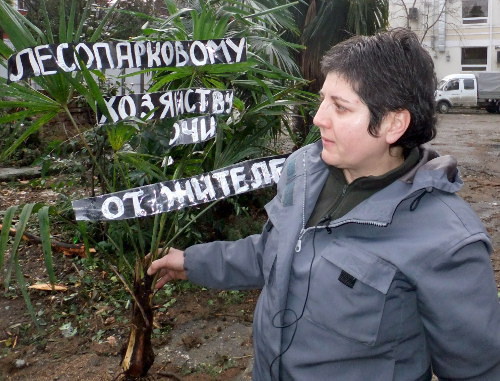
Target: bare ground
(200, 334)
(473, 138)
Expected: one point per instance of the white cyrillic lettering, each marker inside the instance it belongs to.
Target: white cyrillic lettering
(213, 48)
(203, 195)
(147, 103)
(180, 54)
(203, 51)
(221, 179)
(238, 49)
(187, 102)
(207, 134)
(167, 52)
(98, 48)
(260, 173)
(238, 180)
(19, 64)
(153, 57)
(138, 211)
(203, 99)
(217, 102)
(105, 208)
(229, 101)
(60, 58)
(110, 106)
(166, 99)
(120, 57)
(226, 51)
(88, 52)
(139, 51)
(178, 194)
(193, 131)
(276, 165)
(127, 99)
(43, 57)
(176, 133)
(179, 102)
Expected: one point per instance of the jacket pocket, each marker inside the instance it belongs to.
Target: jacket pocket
(348, 292)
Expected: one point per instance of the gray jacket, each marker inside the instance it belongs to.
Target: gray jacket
(401, 283)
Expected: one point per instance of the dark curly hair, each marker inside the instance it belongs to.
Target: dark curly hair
(389, 71)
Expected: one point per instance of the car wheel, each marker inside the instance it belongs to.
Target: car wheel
(443, 107)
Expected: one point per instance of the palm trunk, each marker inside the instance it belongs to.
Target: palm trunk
(138, 355)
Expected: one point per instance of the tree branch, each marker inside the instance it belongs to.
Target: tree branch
(67, 249)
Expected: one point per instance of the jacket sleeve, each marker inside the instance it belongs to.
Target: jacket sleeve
(459, 306)
(232, 264)
(227, 264)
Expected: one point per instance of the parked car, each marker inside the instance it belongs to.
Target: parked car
(478, 90)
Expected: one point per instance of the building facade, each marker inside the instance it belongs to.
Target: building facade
(461, 35)
(20, 6)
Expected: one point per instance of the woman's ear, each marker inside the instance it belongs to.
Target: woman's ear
(396, 124)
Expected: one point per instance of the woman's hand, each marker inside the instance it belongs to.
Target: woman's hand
(169, 267)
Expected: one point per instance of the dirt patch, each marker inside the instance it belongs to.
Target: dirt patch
(472, 138)
(199, 334)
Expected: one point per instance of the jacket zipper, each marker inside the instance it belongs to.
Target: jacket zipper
(303, 231)
(298, 245)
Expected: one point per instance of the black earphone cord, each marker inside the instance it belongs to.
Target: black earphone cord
(297, 318)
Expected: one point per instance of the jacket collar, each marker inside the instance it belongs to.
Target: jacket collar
(431, 172)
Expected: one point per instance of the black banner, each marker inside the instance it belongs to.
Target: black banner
(193, 130)
(168, 104)
(52, 58)
(178, 194)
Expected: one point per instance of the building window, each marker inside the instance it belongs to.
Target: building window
(474, 59)
(21, 4)
(474, 11)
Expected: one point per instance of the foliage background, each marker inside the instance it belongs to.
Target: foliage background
(272, 99)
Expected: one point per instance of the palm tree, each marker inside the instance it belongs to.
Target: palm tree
(327, 22)
(264, 91)
(324, 23)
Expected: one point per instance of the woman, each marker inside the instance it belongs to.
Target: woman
(371, 267)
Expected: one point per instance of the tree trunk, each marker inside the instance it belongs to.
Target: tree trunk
(138, 355)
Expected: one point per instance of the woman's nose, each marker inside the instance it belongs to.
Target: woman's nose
(320, 119)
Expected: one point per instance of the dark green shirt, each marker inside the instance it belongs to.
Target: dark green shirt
(338, 197)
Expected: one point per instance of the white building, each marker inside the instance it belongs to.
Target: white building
(20, 6)
(461, 35)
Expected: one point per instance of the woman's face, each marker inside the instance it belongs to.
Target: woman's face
(343, 120)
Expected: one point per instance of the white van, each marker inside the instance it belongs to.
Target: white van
(480, 90)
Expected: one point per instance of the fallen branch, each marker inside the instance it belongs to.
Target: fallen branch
(170, 375)
(68, 249)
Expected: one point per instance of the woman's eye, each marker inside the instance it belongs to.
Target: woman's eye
(340, 107)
